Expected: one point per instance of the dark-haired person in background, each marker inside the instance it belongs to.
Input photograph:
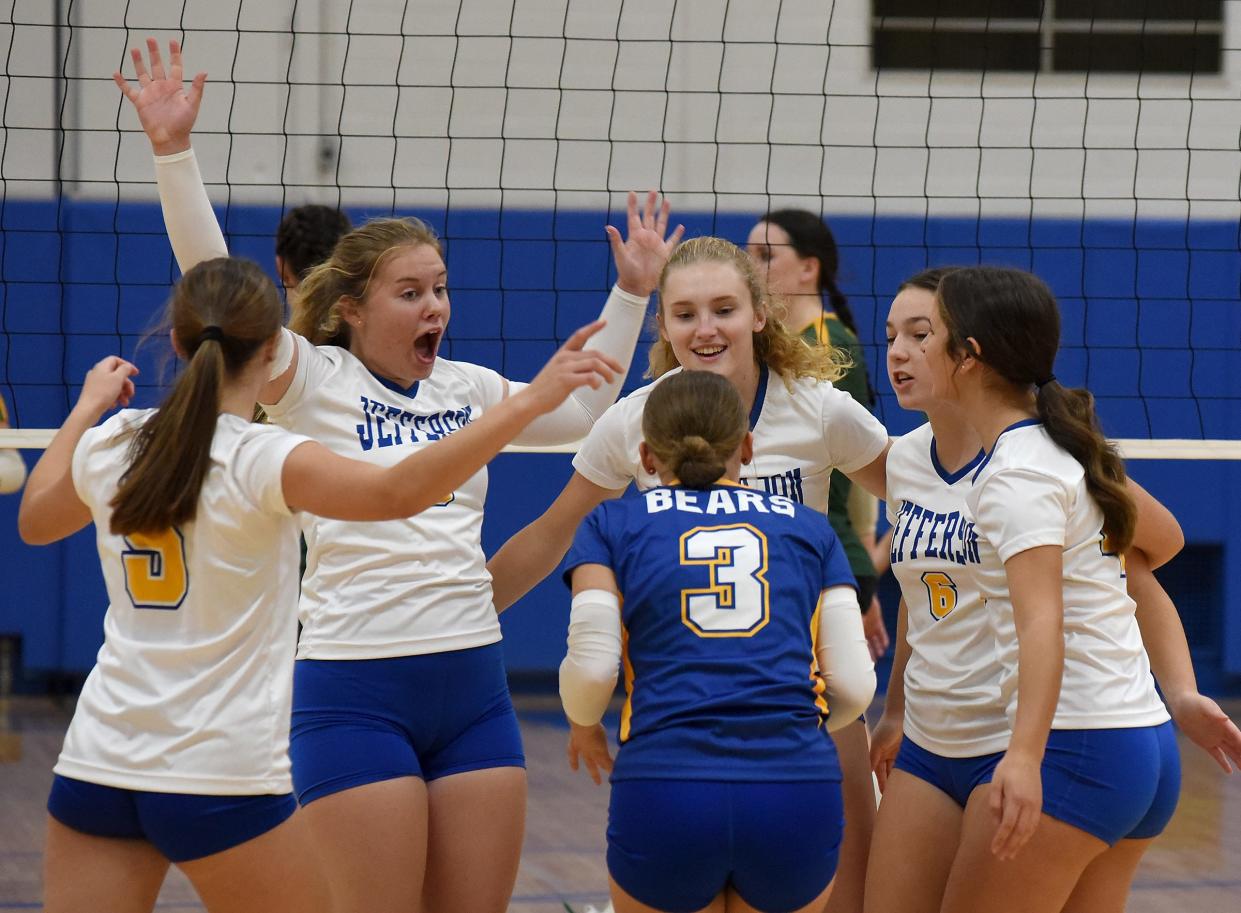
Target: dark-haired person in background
(305, 238)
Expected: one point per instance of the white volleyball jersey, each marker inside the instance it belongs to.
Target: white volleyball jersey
(952, 680)
(1027, 493)
(392, 587)
(800, 436)
(192, 687)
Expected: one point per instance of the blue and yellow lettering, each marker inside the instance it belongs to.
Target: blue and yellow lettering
(366, 433)
(947, 545)
(913, 549)
(913, 514)
(393, 414)
(931, 551)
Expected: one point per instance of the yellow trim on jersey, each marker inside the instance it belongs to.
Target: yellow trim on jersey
(725, 593)
(816, 674)
(626, 720)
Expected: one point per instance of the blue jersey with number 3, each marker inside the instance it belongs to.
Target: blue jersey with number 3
(720, 595)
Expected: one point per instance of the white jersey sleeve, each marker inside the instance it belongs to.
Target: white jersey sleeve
(609, 455)
(853, 437)
(1040, 520)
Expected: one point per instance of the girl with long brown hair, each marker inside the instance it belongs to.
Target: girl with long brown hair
(178, 748)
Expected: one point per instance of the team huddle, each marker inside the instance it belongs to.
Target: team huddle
(374, 762)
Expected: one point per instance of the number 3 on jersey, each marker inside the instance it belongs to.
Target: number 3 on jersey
(941, 591)
(157, 575)
(736, 604)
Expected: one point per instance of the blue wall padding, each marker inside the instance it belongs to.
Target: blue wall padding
(82, 280)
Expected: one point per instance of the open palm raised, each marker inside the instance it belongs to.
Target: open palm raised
(166, 110)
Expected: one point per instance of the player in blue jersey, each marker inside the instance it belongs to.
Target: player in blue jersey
(741, 642)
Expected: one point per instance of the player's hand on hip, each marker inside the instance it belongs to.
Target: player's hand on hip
(589, 745)
(641, 255)
(166, 110)
(571, 367)
(885, 742)
(1017, 801)
(108, 385)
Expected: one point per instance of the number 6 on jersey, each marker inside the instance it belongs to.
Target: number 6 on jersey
(736, 603)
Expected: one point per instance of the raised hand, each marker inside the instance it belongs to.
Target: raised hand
(108, 385)
(641, 256)
(165, 109)
(571, 367)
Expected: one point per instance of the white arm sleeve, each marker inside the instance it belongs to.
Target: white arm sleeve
(188, 217)
(588, 673)
(12, 471)
(844, 659)
(572, 419)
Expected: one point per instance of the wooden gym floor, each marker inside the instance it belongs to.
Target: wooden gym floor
(1195, 867)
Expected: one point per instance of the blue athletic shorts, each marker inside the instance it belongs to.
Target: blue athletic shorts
(362, 721)
(676, 844)
(181, 826)
(957, 777)
(1117, 784)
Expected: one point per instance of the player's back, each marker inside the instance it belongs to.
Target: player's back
(720, 591)
(192, 683)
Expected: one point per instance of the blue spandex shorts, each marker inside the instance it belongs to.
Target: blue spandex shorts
(181, 826)
(430, 716)
(1117, 784)
(675, 844)
(957, 777)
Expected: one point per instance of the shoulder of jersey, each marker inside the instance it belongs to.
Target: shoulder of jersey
(912, 443)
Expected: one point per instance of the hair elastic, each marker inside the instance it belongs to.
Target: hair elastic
(211, 332)
(1043, 383)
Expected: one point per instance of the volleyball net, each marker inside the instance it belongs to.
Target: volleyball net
(1097, 147)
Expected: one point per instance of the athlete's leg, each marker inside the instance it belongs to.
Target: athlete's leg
(853, 747)
(371, 842)
(916, 834)
(84, 872)
(477, 821)
(276, 872)
(1104, 886)
(623, 903)
(1039, 880)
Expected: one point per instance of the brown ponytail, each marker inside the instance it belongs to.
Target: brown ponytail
(694, 422)
(1014, 318)
(222, 311)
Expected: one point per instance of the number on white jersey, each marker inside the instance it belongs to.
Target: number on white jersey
(736, 603)
(942, 593)
(157, 575)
